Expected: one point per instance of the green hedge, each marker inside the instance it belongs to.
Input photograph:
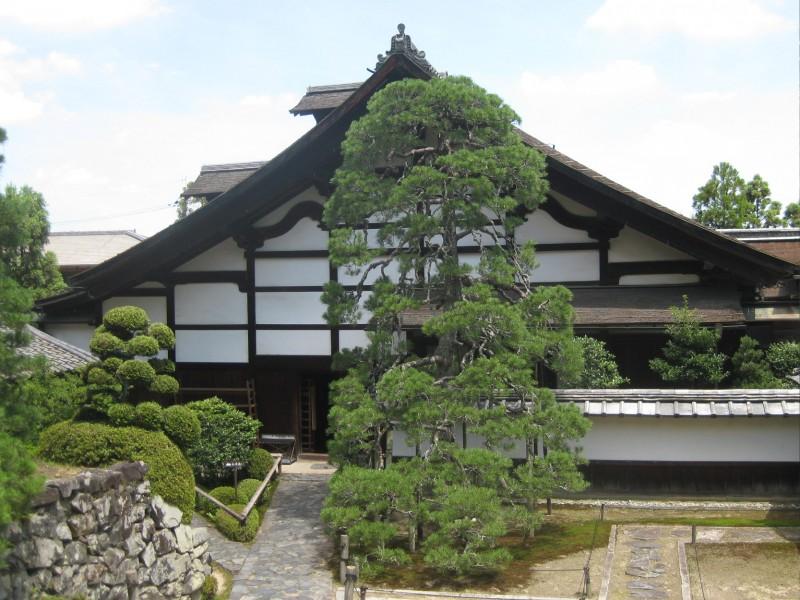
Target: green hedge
(97, 445)
(232, 529)
(260, 463)
(181, 426)
(149, 416)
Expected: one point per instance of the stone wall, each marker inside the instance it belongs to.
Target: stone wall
(101, 534)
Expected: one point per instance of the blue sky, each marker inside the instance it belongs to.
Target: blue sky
(111, 107)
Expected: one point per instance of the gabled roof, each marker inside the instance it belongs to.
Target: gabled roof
(217, 179)
(61, 356)
(321, 98)
(314, 156)
(88, 248)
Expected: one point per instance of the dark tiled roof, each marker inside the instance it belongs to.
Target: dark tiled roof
(684, 403)
(324, 97)
(633, 305)
(60, 355)
(217, 179)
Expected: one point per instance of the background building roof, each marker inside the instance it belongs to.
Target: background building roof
(61, 356)
(78, 250)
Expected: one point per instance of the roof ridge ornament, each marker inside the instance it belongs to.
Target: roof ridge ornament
(401, 44)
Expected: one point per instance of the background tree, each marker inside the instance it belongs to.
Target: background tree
(690, 355)
(438, 164)
(600, 368)
(750, 368)
(784, 359)
(726, 202)
(792, 214)
(24, 229)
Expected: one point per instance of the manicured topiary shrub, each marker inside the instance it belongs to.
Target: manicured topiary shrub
(124, 321)
(162, 365)
(136, 373)
(164, 385)
(142, 345)
(232, 529)
(226, 434)
(149, 415)
(97, 445)
(122, 415)
(111, 364)
(260, 463)
(99, 376)
(246, 488)
(181, 426)
(225, 494)
(104, 344)
(163, 335)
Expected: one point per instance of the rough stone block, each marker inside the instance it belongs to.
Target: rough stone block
(198, 551)
(65, 486)
(148, 529)
(118, 592)
(134, 543)
(47, 496)
(148, 555)
(82, 502)
(169, 568)
(164, 541)
(200, 535)
(42, 525)
(75, 553)
(194, 581)
(112, 557)
(184, 538)
(165, 514)
(63, 532)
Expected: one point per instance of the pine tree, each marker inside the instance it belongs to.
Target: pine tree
(690, 355)
(431, 167)
(600, 368)
(750, 368)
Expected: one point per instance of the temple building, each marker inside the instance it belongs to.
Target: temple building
(240, 280)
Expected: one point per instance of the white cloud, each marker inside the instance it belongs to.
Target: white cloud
(17, 102)
(663, 142)
(136, 164)
(78, 15)
(706, 20)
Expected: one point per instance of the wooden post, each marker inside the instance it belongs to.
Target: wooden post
(549, 506)
(587, 580)
(344, 542)
(694, 534)
(351, 576)
(602, 511)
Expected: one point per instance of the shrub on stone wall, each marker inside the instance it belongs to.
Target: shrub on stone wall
(181, 426)
(96, 445)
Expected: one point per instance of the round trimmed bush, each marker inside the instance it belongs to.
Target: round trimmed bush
(99, 445)
(142, 345)
(232, 529)
(163, 335)
(162, 366)
(99, 376)
(122, 415)
(104, 344)
(148, 415)
(181, 426)
(123, 320)
(165, 385)
(225, 494)
(136, 373)
(259, 464)
(112, 363)
(247, 487)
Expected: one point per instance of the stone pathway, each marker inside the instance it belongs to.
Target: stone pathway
(645, 564)
(229, 554)
(288, 558)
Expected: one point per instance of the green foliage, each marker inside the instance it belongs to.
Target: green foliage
(750, 368)
(690, 355)
(55, 397)
(163, 335)
(247, 489)
(99, 376)
(148, 415)
(232, 529)
(726, 201)
(784, 359)
(181, 426)
(142, 345)
(97, 445)
(24, 229)
(122, 415)
(209, 589)
(125, 321)
(226, 434)
(165, 385)
(438, 163)
(162, 366)
(106, 344)
(259, 463)
(792, 214)
(225, 494)
(599, 367)
(136, 373)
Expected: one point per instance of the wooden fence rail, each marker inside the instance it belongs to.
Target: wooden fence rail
(242, 517)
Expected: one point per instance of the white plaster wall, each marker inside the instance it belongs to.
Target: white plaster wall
(735, 439)
(401, 446)
(155, 306)
(573, 206)
(293, 343)
(210, 304)
(225, 256)
(291, 271)
(544, 229)
(352, 338)
(211, 346)
(632, 245)
(77, 334)
(276, 216)
(305, 235)
(284, 308)
(568, 265)
(660, 279)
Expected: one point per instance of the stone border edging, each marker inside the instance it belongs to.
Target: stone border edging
(465, 595)
(683, 567)
(612, 546)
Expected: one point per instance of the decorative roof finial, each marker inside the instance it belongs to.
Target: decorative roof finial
(402, 44)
